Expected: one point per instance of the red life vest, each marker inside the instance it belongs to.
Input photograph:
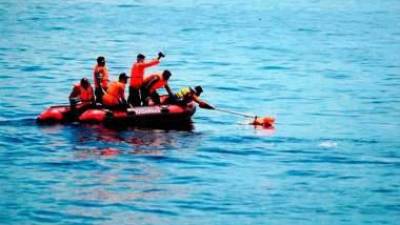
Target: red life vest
(86, 95)
(137, 72)
(103, 72)
(157, 85)
(115, 92)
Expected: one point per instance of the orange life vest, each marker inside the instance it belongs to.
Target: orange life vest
(103, 72)
(137, 72)
(115, 92)
(86, 95)
(157, 85)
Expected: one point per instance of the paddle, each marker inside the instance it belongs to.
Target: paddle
(262, 121)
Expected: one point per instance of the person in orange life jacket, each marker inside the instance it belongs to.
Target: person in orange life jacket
(115, 95)
(100, 75)
(153, 82)
(136, 96)
(82, 92)
(188, 94)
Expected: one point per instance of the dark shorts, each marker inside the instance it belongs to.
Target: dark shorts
(137, 96)
(99, 94)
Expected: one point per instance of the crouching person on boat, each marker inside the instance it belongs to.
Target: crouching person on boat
(114, 98)
(188, 94)
(81, 93)
(152, 83)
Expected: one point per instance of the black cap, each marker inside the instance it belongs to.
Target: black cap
(198, 90)
(140, 56)
(85, 82)
(123, 76)
(101, 59)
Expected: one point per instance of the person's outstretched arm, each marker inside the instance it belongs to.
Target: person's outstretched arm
(150, 63)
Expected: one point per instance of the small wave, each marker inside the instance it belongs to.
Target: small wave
(157, 211)
(17, 122)
(291, 140)
(4, 76)
(215, 63)
(337, 34)
(128, 6)
(57, 28)
(337, 76)
(232, 151)
(307, 30)
(254, 47)
(189, 29)
(30, 18)
(33, 68)
(300, 173)
(64, 58)
(276, 49)
(117, 40)
(384, 190)
(274, 68)
(187, 180)
(359, 140)
(46, 77)
(135, 33)
(348, 177)
(229, 89)
(328, 144)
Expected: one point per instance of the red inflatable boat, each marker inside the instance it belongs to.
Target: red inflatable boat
(136, 116)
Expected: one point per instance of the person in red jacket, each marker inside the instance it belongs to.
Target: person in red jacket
(115, 95)
(82, 92)
(100, 75)
(152, 83)
(137, 72)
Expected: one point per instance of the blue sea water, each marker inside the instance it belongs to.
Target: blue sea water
(328, 71)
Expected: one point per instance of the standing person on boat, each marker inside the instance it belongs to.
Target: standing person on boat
(137, 72)
(100, 75)
(81, 92)
(153, 82)
(115, 94)
(188, 94)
